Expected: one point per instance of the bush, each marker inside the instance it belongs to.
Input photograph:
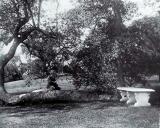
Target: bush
(89, 70)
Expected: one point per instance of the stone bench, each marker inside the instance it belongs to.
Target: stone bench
(136, 96)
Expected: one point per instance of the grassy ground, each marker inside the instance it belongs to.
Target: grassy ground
(84, 115)
(20, 86)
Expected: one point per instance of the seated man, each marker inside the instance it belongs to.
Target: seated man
(52, 84)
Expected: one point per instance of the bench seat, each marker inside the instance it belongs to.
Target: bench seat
(135, 96)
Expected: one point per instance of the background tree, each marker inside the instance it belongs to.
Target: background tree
(127, 51)
(146, 46)
(104, 19)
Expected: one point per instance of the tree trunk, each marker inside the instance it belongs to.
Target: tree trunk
(2, 88)
(7, 57)
(4, 96)
(4, 59)
(120, 75)
(119, 28)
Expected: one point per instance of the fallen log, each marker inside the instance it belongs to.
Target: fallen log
(55, 95)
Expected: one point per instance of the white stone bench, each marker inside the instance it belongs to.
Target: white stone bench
(136, 96)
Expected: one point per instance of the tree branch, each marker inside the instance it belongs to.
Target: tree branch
(39, 12)
(24, 35)
(22, 21)
(11, 52)
(16, 8)
(31, 13)
(46, 33)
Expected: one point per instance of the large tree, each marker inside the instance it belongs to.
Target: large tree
(131, 49)
(17, 22)
(105, 19)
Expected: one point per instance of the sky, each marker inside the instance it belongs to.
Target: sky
(51, 5)
(145, 8)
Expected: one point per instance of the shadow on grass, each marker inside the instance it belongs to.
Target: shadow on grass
(44, 107)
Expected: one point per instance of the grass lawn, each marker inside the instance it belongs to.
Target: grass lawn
(20, 86)
(82, 115)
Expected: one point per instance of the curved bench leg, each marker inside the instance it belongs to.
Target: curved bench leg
(131, 98)
(142, 99)
(123, 96)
